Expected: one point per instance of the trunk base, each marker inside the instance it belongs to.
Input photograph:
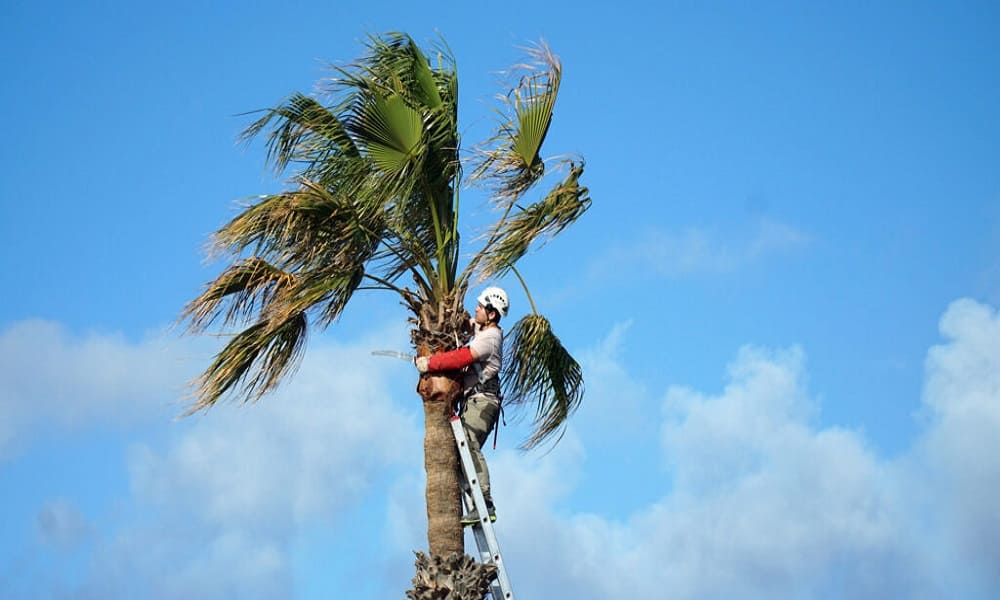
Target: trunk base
(454, 577)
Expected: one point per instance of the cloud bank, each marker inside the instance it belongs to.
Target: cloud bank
(243, 486)
(757, 500)
(218, 506)
(54, 381)
(762, 503)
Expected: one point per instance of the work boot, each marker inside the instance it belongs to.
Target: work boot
(472, 517)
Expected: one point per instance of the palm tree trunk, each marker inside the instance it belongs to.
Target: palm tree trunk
(444, 501)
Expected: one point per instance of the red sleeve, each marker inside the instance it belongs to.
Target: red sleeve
(449, 361)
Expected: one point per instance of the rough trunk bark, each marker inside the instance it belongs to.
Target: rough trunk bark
(443, 495)
(441, 325)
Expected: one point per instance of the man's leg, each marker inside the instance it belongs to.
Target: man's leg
(479, 461)
(479, 418)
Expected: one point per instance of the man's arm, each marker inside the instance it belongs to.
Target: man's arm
(446, 361)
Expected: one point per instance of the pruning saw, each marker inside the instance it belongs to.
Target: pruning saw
(394, 354)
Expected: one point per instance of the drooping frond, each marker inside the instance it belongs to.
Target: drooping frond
(245, 287)
(545, 218)
(539, 371)
(309, 250)
(253, 362)
(276, 302)
(511, 161)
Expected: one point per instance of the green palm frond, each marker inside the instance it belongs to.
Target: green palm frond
(388, 139)
(545, 218)
(253, 362)
(424, 84)
(391, 130)
(538, 370)
(511, 159)
(304, 131)
(317, 245)
(395, 64)
(403, 114)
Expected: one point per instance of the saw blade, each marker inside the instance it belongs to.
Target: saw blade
(394, 354)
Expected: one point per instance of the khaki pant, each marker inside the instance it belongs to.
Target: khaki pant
(479, 417)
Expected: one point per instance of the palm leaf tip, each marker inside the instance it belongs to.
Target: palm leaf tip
(540, 371)
(511, 158)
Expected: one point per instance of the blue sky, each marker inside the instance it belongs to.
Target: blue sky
(784, 298)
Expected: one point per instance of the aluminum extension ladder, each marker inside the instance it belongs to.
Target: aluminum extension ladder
(486, 539)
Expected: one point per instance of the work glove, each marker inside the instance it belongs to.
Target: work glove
(422, 363)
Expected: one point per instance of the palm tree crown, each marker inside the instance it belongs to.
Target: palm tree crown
(374, 204)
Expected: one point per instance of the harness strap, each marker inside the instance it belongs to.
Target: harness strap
(496, 426)
(490, 386)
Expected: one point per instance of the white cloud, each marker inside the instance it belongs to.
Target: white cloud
(56, 381)
(959, 458)
(177, 561)
(612, 397)
(763, 503)
(758, 500)
(237, 486)
(216, 510)
(695, 250)
(290, 456)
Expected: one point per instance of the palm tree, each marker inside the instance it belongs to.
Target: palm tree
(373, 204)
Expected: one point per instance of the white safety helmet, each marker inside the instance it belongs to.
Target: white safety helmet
(495, 298)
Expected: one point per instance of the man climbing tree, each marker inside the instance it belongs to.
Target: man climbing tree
(481, 362)
(373, 204)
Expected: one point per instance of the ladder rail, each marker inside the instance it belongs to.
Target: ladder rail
(485, 535)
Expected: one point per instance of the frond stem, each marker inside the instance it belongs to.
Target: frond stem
(435, 219)
(454, 231)
(386, 284)
(416, 272)
(524, 285)
(467, 273)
